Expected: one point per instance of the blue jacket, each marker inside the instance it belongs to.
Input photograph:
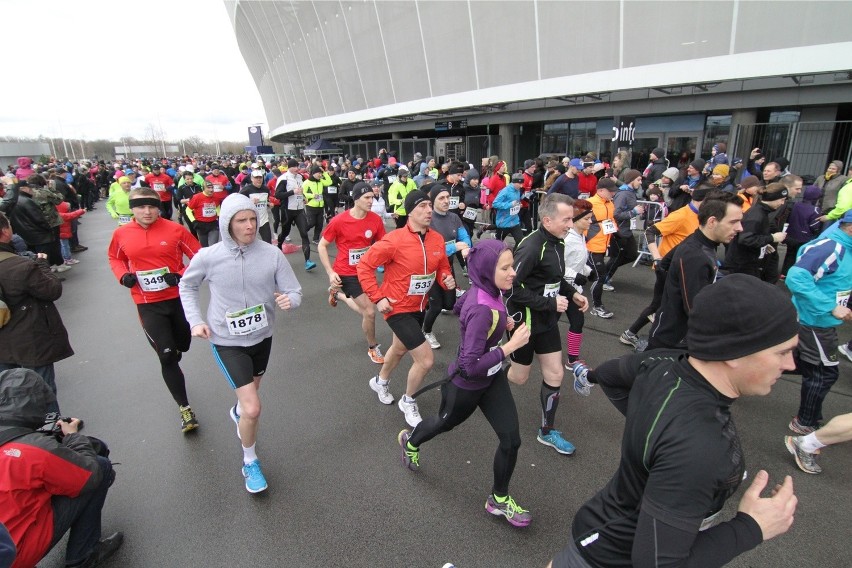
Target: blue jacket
(508, 197)
(821, 274)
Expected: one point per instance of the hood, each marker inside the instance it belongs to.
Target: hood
(811, 194)
(469, 175)
(424, 167)
(232, 205)
(482, 263)
(24, 398)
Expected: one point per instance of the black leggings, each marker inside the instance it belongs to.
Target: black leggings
(576, 318)
(516, 232)
(297, 217)
(497, 405)
(208, 232)
(659, 286)
(168, 333)
(315, 220)
(330, 205)
(439, 299)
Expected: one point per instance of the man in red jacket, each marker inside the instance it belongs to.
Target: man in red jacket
(415, 258)
(146, 255)
(161, 182)
(51, 482)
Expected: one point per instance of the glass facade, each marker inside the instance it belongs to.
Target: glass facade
(717, 129)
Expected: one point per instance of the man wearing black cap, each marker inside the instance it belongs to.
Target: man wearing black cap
(346, 186)
(397, 193)
(656, 167)
(681, 457)
(313, 187)
(289, 192)
(693, 177)
(754, 250)
(691, 266)
(415, 259)
(354, 231)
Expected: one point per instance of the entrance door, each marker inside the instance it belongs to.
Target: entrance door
(642, 148)
(681, 148)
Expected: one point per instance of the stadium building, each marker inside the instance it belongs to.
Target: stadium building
(524, 78)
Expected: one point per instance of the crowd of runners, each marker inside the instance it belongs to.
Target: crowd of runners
(508, 250)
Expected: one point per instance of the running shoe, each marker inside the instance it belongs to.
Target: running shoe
(514, 513)
(601, 312)
(805, 461)
(411, 411)
(555, 440)
(232, 412)
(72, 261)
(385, 397)
(432, 340)
(255, 481)
(332, 297)
(60, 268)
(375, 354)
(188, 422)
(799, 428)
(629, 338)
(410, 458)
(581, 372)
(104, 548)
(844, 349)
(310, 265)
(380, 269)
(607, 287)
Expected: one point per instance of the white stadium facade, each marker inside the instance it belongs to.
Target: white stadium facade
(529, 77)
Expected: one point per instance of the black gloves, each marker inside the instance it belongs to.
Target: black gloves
(593, 275)
(580, 280)
(171, 278)
(129, 280)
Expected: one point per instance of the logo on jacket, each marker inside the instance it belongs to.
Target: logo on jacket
(164, 243)
(13, 452)
(368, 233)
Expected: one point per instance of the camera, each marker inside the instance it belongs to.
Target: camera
(51, 424)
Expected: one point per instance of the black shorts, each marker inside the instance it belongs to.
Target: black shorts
(817, 345)
(241, 364)
(350, 286)
(542, 343)
(408, 328)
(165, 326)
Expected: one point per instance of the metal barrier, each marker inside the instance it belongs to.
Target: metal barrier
(650, 206)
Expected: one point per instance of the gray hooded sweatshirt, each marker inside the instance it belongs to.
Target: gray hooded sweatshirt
(240, 277)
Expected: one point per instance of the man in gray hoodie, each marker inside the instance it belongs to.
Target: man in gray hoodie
(248, 278)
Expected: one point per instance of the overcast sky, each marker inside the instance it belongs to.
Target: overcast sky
(88, 69)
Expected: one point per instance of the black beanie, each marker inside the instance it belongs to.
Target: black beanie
(436, 190)
(737, 316)
(698, 164)
(413, 199)
(659, 153)
(359, 189)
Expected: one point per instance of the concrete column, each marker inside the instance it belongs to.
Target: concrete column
(740, 117)
(507, 134)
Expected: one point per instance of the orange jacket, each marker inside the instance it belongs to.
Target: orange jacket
(403, 254)
(601, 210)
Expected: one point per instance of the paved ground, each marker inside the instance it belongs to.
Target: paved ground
(338, 495)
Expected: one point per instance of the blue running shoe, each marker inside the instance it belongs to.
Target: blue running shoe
(236, 418)
(255, 482)
(310, 265)
(555, 440)
(582, 386)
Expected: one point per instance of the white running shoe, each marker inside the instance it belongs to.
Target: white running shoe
(412, 413)
(385, 397)
(432, 340)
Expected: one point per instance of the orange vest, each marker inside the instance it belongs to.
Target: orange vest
(601, 210)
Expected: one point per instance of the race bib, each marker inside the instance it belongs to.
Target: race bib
(583, 196)
(454, 202)
(356, 254)
(551, 290)
(247, 321)
(469, 214)
(515, 209)
(608, 226)
(420, 284)
(332, 189)
(159, 187)
(262, 200)
(208, 210)
(299, 201)
(217, 187)
(634, 223)
(124, 219)
(496, 367)
(843, 298)
(152, 280)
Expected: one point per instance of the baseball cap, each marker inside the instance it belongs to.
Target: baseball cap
(517, 178)
(256, 174)
(577, 163)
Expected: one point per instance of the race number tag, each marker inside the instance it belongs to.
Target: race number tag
(583, 196)
(159, 187)
(332, 189)
(469, 214)
(420, 284)
(843, 298)
(551, 290)
(218, 187)
(299, 201)
(634, 223)
(515, 209)
(124, 219)
(608, 226)
(262, 200)
(152, 280)
(356, 254)
(710, 521)
(208, 210)
(493, 370)
(454, 202)
(247, 321)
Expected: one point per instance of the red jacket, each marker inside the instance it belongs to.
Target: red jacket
(162, 245)
(161, 185)
(588, 183)
(220, 184)
(196, 203)
(67, 217)
(403, 254)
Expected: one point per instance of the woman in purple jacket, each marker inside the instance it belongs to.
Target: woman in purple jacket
(477, 378)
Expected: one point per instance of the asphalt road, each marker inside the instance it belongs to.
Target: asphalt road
(338, 494)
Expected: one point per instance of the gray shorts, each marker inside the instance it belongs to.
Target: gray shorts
(817, 345)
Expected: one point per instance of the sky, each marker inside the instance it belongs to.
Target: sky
(110, 69)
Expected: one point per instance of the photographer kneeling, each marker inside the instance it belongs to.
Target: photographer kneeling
(54, 478)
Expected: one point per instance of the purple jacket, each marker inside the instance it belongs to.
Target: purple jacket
(803, 218)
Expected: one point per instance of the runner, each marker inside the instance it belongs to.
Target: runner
(205, 207)
(118, 204)
(354, 232)
(477, 376)
(289, 191)
(456, 239)
(248, 278)
(259, 195)
(146, 255)
(162, 183)
(539, 294)
(414, 258)
(577, 273)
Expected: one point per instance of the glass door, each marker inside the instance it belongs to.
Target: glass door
(681, 148)
(642, 147)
